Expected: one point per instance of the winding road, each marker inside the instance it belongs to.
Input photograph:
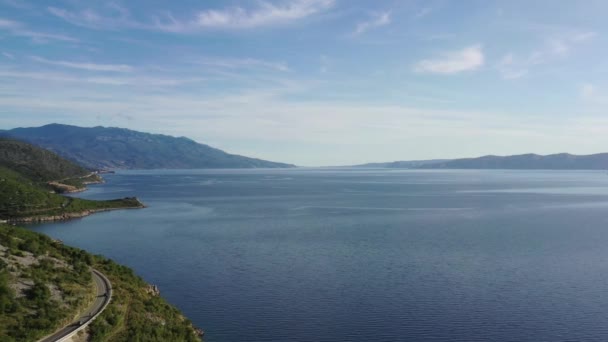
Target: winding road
(102, 299)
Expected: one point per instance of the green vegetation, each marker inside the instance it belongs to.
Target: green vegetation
(59, 285)
(44, 168)
(37, 164)
(135, 313)
(23, 198)
(43, 285)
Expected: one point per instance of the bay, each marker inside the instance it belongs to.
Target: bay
(365, 254)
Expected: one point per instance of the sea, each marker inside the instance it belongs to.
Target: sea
(364, 254)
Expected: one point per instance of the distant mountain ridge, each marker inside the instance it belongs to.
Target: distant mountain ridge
(530, 161)
(560, 161)
(110, 147)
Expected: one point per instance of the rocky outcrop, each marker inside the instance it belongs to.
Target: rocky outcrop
(153, 290)
(199, 332)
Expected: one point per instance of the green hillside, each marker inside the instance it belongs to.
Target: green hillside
(22, 198)
(44, 284)
(36, 163)
(29, 178)
(44, 167)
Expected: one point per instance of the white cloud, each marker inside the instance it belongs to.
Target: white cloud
(378, 20)
(20, 4)
(8, 55)
(66, 79)
(512, 66)
(583, 36)
(264, 13)
(18, 29)
(509, 69)
(43, 37)
(112, 16)
(244, 63)
(591, 95)
(5, 23)
(86, 66)
(424, 12)
(255, 123)
(467, 59)
(561, 46)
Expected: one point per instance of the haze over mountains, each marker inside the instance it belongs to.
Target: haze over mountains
(561, 161)
(120, 148)
(109, 147)
(403, 164)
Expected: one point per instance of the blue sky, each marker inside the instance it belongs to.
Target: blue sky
(316, 82)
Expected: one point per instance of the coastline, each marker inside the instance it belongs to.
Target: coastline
(69, 189)
(198, 332)
(66, 216)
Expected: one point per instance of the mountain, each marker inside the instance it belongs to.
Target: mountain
(110, 147)
(405, 164)
(44, 167)
(562, 161)
(30, 177)
(36, 163)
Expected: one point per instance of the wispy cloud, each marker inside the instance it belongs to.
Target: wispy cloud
(8, 55)
(54, 77)
(10, 24)
(243, 63)
(43, 37)
(590, 94)
(561, 46)
(512, 66)
(378, 20)
(20, 4)
(467, 59)
(20, 30)
(112, 16)
(85, 66)
(424, 12)
(265, 14)
(509, 69)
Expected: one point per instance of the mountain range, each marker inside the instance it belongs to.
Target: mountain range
(120, 148)
(560, 161)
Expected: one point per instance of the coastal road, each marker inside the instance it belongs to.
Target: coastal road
(102, 299)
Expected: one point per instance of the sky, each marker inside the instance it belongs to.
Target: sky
(316, 82)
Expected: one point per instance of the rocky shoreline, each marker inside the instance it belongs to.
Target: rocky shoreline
(65, 189)
(66, 216)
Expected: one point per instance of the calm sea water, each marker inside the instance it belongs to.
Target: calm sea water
(365, 255)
